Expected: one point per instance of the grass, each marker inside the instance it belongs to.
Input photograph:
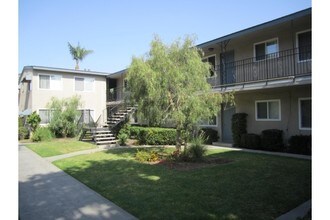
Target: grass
(254, 186)
(59, 146)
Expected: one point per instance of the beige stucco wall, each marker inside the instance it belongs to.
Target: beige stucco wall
(243, 46)
(95, 100)
(288, 96)
(25, 95)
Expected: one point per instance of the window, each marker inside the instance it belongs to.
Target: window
(211, 61)
(265, 50)
(45, 115)
(212, 121)
(304, 42)
(84, 84)
(53, 82)
(269, 110)
(305, 113)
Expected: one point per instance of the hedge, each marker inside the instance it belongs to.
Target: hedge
(300, 144)
(154, 136)
(211, 135)
(272, 140)
(238, 127)
(251, 141)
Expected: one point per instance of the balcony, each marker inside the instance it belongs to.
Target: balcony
(288, 64)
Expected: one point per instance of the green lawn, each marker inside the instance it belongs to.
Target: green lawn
(59, 146)
(253, 186)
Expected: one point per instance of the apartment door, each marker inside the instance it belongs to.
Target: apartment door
(227, 67)
(227, 113)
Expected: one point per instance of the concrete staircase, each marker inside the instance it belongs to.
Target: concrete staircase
(105, 135)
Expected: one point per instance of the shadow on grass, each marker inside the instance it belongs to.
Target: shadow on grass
(252, 187)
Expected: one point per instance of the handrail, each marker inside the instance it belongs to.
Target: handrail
(287, 63)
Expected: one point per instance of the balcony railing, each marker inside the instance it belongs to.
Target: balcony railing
(284, 64)
(115, 94)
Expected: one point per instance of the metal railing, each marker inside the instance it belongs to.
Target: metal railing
(283, 64)
(116, 94)
(85, 120)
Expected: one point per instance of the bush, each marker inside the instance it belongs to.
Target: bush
(272, 139)
(154, 136)
(211, 135)
(33, 120)
(238, 127)
(300, 144)
(122, 137)
(146, 156)
(23, 133)
(251, 141)
(42, 134)
(196, 150)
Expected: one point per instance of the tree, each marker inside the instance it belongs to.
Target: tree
(171, 83)
(64, 116)
(78, 53)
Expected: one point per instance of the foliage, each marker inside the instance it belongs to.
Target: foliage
(196, 150)
(300, 144)
(251, 141)
(78, 53)
(272, 139)
(64, 117)
(238, 127)
(124, 134)
(171, 83)
(33, 120)
(122, 137)
(211, 135)
(153, 136)
(147, 156)
(41, 134)
(23, 132)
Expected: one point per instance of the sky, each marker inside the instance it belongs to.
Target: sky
(117, 30)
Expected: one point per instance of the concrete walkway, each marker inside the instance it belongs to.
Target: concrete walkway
(46, 192)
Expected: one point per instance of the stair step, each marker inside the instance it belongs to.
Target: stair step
(106, 142)
(104, 135)
(104, 138)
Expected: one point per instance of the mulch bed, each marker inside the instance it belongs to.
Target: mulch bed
(187, 166)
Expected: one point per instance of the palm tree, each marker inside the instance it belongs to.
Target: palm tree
(78, 53)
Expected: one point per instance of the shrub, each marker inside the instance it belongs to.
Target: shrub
(300, 144)
(23, 133)
(33, 120)
(41, 134)
(122, 137)
(63, 122)
(196, 150)
(238, 127)
(251, 141)
(272, 139)
(211, 135)
(146, 156)
(154, 136)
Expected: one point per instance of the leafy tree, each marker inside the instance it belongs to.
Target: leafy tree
(170, 83)
(64, 116)
(78, 53)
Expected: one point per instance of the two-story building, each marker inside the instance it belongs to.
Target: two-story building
(267, 66)
(37, 85)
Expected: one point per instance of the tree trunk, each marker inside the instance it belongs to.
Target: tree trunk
(178, 139)
(77, 65)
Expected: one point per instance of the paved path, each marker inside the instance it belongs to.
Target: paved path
(59, 157)
(46, 192)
